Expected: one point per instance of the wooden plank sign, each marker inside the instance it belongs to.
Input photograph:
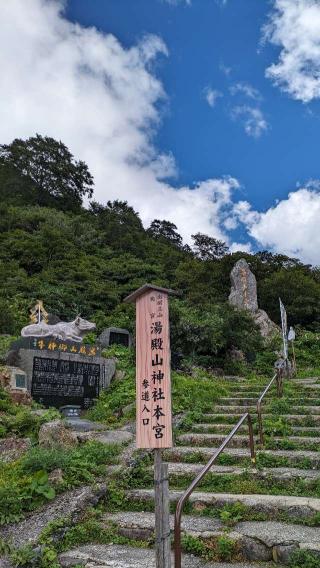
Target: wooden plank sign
(153, 376)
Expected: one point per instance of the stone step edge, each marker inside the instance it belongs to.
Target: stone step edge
(244, 452)
(239, 414)
(279, 473)
(243, 400)
(243, 438)
(257, 540)
(225, 409)
(226, 425)
(294, 506)
(118, 556)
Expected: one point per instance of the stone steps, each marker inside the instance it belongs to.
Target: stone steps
(115, 556)
(274, 473)
(220, 409)
(293, 507)
(242, 441)
(226, 428)
(254, 541)
(182, 453)
(259, 540)
(252, 401)
(210, 418)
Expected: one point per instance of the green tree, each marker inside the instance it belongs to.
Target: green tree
(52, 169)
(120, 226)
(208, 248)
(165, 230)
(299, 292)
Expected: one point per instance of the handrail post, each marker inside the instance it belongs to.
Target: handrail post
(260, 426)
(251, 440)
(279, 383)
(177, 537)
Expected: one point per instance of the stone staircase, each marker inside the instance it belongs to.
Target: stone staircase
(244, 516)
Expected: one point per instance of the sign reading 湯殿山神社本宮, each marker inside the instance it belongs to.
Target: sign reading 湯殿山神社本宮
(153, 376)
(57, 382)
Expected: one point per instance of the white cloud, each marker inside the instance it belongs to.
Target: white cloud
(242, 247)
(230, 223)
(211, 96)
(252, 118)
(176, 2)
(294, 26)
(225, 69)
(245, 89)
(290, 227)
(83, 87)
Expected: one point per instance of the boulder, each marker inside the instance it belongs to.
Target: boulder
(243, 296)
(13, 448)
(56, 476)
(109, 437)
(55, 434)
(70, 504)
(267, 327)
(243, 293)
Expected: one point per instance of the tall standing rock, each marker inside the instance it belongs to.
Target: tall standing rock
(243, 296)
(243, 287)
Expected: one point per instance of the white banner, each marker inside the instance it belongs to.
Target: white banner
(291, 334)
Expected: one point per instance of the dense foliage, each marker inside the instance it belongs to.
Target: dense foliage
(86, 260)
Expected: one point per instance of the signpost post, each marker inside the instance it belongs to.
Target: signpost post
(153, 392)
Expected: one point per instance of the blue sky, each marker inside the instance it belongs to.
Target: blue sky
(205, 112)
(204, 38)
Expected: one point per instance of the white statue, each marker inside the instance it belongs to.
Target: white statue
(73, 330)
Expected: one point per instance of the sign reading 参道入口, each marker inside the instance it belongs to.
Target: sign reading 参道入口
(153, 377)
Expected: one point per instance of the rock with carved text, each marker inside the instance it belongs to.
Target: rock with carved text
(243, 293)
(244, 296)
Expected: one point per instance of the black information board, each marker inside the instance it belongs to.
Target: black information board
(58, 382)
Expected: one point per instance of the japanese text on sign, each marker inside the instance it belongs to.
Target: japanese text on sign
(153, 379)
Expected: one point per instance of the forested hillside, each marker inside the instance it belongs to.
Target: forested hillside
(87, 259)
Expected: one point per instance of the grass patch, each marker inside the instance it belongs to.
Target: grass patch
(246, 484)
(24, 484)
(19, 420)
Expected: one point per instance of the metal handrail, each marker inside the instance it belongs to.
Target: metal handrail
(278, 378)
(196, 481)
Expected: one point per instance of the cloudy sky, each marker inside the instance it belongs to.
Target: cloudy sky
(203, 112)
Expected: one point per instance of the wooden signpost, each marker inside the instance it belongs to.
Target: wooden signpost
(153, 391)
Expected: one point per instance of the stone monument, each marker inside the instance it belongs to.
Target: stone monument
(243, 296)
(115, 335)
(60, 369)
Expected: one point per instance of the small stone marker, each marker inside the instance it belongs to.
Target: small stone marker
(115, 335)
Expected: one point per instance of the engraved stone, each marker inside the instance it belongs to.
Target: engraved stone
(243, 287)
(243, 296)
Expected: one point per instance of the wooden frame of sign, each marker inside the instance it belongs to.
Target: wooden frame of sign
(153, 373)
